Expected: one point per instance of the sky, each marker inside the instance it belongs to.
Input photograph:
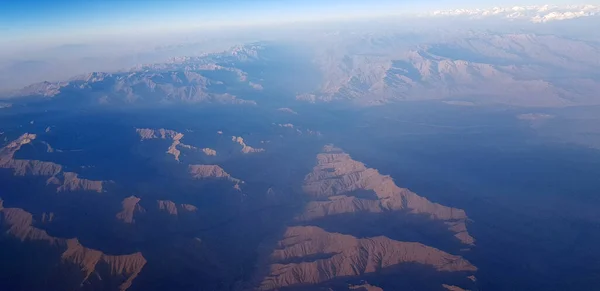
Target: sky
(38, 23)
(22, 20)
(56, 39)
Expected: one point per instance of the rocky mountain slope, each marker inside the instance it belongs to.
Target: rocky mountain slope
(200, 172)
(131, 208)
(516, 69)
(182, 80)
(246, 149)
(310, 255)
(185, 228)
(365, 287)
(367, 68)
(340, 185)
(211, 172)
(169, 233)
(82, 266)
(174, 148)
(65, 181)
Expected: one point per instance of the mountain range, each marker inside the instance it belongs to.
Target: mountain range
(313, 250)
(523, 69)
(356, 160)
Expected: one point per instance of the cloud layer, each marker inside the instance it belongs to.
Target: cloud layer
(535, 13)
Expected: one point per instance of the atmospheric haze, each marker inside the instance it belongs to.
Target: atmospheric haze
(299, 145)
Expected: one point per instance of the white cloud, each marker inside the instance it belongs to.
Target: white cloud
(535, 13)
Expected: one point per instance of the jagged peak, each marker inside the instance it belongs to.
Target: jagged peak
(246, 149)
(130, 208)
(343, 255)
(175, 209)
(248, 51)
(8, 151)
(213, 172)
(336, 176)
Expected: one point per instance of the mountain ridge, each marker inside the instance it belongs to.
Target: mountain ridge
(92, 265)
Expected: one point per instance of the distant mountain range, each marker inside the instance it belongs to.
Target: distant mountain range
(219, 171)
(514, 69)
(316, 249)
(482, 68)
(183, 80)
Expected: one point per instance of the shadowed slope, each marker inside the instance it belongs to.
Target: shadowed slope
(81, 265)
(336, 177)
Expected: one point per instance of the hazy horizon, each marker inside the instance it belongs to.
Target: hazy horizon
(69, 21)
(43, 41)
(267, 145)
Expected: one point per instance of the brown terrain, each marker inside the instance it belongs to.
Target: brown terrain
(147, 133)
(78, 267)
(337, 178)
(131, 208)
(212, 172)
(246, 149)
(342, 226)
(174, 209)
(310, 255)
(65, 181)
(497, 68)
(306, 255)
(82, 266)
(209, 152)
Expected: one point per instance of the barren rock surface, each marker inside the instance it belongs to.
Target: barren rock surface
(209, 152)
(72, 182)
(147, 133)
(131, 207)
(117, 272)
(139, 85)
(66, 181)
(210, 172)
(172, 208)
(497, 68)
(174, 148)
(246, 149)
(337, 176)
(310, 255)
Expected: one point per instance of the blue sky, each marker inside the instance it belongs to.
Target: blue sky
(33, 19)
(69, 37)
(63, 14)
